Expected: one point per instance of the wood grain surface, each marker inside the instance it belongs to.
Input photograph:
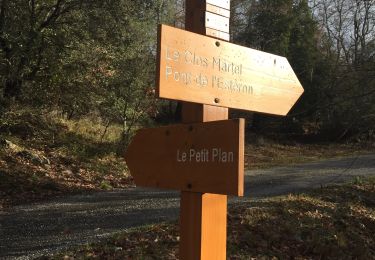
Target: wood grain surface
(200, 69)
(199, 157)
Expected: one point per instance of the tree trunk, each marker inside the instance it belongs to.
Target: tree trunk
(12, 88)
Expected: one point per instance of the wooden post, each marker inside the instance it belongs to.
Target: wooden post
(203, 216)
(203, 226)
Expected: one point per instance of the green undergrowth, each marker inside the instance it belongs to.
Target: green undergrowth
(43, 154)
(335, 222)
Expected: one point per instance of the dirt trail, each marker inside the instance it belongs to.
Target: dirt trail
(29, 231)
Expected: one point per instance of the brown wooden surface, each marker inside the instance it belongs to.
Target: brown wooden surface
(203, 216)
(192, 112)
(199, 157)
(247, 79)
(203, 226)
(195, 15)
(214, 226)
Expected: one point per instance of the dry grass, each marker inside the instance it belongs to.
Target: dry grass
(337, 222)
(270, 154)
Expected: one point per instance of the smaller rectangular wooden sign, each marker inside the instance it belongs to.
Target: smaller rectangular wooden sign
(201, 157)
(217, 22)
(220, 3)
(217, 10)
(217, 34)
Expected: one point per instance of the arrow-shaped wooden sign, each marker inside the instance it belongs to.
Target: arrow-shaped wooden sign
(200, 69)
(201, 157)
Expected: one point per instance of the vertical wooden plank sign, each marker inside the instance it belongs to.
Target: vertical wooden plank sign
(203, 216)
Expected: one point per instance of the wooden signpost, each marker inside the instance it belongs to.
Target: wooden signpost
(204, 156)
(201, 157)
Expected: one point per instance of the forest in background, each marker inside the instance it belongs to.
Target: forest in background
(95, 60)
(77, 78)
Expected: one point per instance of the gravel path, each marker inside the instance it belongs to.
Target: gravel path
(29, 231)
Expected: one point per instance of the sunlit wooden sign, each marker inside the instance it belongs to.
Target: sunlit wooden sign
(217, 22)
(220, 3)
(200, 69)
(217, 34)
(201, 157)
(217, 10)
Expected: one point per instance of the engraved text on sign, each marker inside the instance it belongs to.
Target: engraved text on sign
(201, 69)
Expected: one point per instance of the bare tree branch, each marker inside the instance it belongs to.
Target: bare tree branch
(52, 15)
